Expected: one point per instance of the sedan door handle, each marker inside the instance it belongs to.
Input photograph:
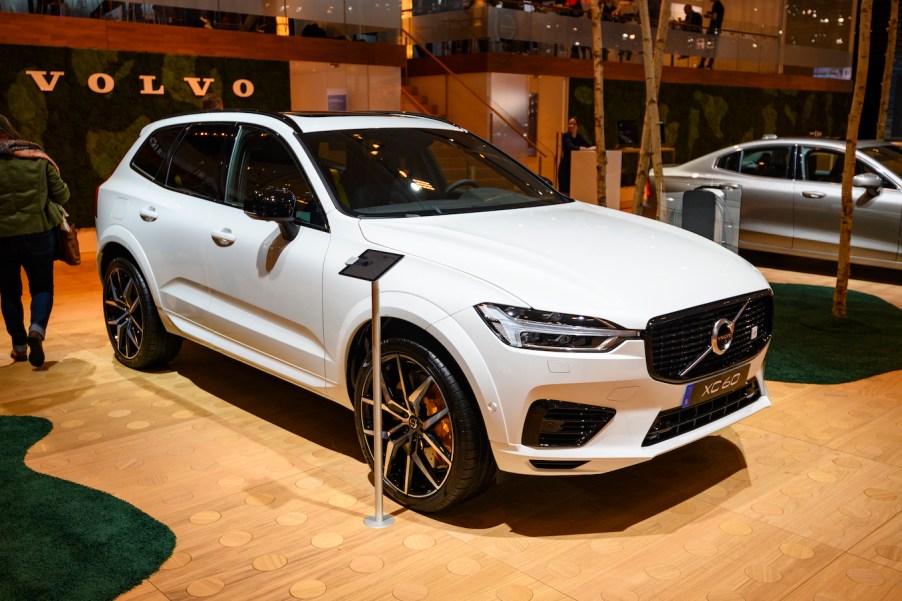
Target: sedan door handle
(148, 214)
(223, 237)
(813, 194)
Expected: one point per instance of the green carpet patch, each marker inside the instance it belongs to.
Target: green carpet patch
(813, 347)
(61, 540)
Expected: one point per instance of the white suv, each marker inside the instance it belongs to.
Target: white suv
(522, 331)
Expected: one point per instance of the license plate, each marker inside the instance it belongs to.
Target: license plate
(699, 392)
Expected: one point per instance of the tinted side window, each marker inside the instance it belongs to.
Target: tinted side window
(766, 161)
(263, 162)
(730, 162)
(200, 163)
(153, 152)
(826, 165)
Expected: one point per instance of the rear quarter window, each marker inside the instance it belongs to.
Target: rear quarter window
(730, 162)
(151, 156)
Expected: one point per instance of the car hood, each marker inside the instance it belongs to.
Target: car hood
(575, 258)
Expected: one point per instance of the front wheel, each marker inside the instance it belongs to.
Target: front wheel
(133, 325)
(435, 451)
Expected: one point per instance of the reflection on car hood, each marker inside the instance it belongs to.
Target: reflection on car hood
(576, 258)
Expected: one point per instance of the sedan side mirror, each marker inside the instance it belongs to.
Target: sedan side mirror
(274, 204)
(871, 182)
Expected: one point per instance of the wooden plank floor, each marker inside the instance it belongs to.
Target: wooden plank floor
(266, 491)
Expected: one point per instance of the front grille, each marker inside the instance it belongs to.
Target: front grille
(673, 422)
(561, 424)
(674, 341)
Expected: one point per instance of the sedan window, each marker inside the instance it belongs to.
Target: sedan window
(730, 162)
(826, 165)
(766, 161)
(200, 163)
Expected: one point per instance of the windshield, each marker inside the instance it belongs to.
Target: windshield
(889, 156)
(401, 172)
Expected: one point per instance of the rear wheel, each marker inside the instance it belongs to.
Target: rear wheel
(132, 323)
(435, 451)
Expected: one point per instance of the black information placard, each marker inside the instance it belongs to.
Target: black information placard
(371, 265)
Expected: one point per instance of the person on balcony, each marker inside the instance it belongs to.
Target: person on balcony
(715, 23)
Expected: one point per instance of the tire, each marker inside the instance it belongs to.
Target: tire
(139, 339)
(430, 463)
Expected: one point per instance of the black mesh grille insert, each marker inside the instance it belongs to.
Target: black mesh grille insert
(673, 422)
(675, 341)
(561, 424)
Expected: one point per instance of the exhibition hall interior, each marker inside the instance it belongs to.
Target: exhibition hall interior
(685, 388)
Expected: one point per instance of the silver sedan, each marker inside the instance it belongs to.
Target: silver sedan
(790, 193)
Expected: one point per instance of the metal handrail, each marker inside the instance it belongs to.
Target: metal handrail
(488, 105)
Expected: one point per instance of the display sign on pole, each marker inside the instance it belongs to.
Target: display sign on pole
(370, 266)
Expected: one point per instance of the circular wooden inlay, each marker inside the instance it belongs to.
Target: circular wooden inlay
(514, 592)
(206, 587)
(153, 480)
(270, 562)
(880, 494)
(663, 571)
(259, 499)
(119, 413)
(205, 517)
(464, 566)
(618, 594)
(768, 509)
(763, 573)
(292, 518)
(184, 414)
(701, 548)
(848, 462)
(308, 483)
(736, 528)
(866, 577)
(327, 540)
(724, 596)
(236, 539)
(891, 552)
(797, 551)
(606, 546)
(162, 403)
(90, 436)
(366, 564)
(684, 508)
(563, 568)
(827, 530)
(177, 560)
(795, 492)
(419, 542)
(410, 591)
(138, 425)
(824, 477)
(72, 423)
(307, 589)
(770, 461)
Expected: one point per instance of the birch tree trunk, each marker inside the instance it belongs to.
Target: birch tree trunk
(845, 226)
(650, 152)
(892, 28)
(601, 163)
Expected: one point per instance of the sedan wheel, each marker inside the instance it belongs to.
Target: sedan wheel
(133, 325)
(435, 451)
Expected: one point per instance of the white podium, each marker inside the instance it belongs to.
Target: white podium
(583, 183)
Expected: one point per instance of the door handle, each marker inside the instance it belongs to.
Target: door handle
(813, 194)
(148, 214)
(223, 237)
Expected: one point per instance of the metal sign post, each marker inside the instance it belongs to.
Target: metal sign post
(370, 266)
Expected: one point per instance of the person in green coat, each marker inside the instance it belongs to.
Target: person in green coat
(31, 192)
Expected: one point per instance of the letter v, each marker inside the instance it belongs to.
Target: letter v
(40, 78)
(196, 87)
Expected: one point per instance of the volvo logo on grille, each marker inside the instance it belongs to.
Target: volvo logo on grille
(722, 336)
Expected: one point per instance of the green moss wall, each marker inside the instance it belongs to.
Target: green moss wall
(87, 133)
(700, 119)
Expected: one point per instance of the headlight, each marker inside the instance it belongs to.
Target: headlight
(549, 331)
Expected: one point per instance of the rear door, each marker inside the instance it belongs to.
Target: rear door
(766, 213)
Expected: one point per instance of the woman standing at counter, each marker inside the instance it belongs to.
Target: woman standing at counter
(570, 141)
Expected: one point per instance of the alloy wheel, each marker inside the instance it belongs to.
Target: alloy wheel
(123, 313)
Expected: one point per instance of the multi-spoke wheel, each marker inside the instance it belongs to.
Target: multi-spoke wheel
(435, 451)
(132, 323)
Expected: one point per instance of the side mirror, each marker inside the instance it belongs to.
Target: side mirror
(871, 182)
(274, 204)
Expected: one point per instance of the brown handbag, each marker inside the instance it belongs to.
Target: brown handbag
(67, 249)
